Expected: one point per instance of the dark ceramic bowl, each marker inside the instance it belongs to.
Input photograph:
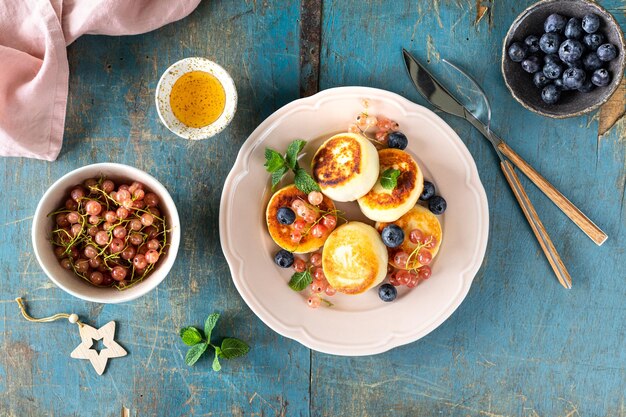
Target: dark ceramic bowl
(572, 103)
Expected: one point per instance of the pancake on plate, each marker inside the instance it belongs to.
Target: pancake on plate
(346, 166)
(417, 218)
(281, 233)
(384, 205)
(354, 258)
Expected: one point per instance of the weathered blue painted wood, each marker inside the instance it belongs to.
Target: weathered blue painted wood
(112, 117)
(518, 346)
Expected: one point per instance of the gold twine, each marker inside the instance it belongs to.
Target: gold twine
(59, 316)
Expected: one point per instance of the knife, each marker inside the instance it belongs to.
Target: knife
(441, 98)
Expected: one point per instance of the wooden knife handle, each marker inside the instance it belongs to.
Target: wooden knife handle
(570, 210)
(538, 229)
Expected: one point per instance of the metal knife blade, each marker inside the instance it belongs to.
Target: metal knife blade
(440, 97)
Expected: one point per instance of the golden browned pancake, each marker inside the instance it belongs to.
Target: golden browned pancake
(346, 166)
(354, 258)
(281, 234)
(384, 205)
(417, 218)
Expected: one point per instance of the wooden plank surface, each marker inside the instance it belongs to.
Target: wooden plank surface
(519, 345)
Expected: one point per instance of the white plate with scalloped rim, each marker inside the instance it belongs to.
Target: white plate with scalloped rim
(362, 324)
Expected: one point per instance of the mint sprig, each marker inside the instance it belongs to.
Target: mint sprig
(230, 347)
(389, 179)
(278, 165)
(300, 280)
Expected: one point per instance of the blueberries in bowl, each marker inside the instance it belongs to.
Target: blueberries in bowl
(570, 51)
(607, 52)
(550, 42)
(551, 94)
(574, 78)
(540, 80)
(532, 44)
(601, 77)
(573, 29)
(573, 55)
(517, 52)
(552, 71)
(591, 23)
(593, 41)
(531, 64)
(555, 23)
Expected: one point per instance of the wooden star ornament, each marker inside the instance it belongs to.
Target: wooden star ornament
(89, 335)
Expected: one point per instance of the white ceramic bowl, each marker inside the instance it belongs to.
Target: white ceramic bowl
(55, 197)
(164, 88)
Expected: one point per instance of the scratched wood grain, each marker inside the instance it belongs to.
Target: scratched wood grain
(519, 345)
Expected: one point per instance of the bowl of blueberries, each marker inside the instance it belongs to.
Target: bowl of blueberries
(563, 58)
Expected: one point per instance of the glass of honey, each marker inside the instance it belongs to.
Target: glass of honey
(196, 98)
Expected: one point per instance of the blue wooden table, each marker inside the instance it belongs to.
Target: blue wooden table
(519, 345)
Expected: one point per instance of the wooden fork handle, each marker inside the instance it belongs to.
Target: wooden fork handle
(570, 210)
(535, 224)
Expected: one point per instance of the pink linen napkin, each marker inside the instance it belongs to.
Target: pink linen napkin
(34, 74)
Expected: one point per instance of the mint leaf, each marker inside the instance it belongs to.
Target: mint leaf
(216, 360)
(304, 182)
(209, 324)
(300, 280)
(293, 150)
(389, 179)
(273, 160)
(233, 348)
(194, 353)
(190, 335)
(278, 175)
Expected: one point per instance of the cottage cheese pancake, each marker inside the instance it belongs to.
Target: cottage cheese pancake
(346, 166)
(281, 233)
(354, 258)
(384, 205)
(417, 218)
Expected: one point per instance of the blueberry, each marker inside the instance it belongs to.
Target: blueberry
(552, 58)
(574, 78)
(587, 87)
(387, 293)
(558, 83)
(540, 79)
(437, 205)
(591, 62)
(283, 258)
(570, 51)
(555, 23)
(591, 23)
(607, 52)
(550, 42)
(576, 64)
(428, 191)
(550, 94)
(393, 236)
(397, 140)
(517, 52)
(573, 29)
(285, 215)
(593, 41)
(531, 64)
(552, 71)
(532, 43)
(601, 77)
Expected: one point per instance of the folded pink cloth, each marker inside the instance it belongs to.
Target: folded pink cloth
(34, 76)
